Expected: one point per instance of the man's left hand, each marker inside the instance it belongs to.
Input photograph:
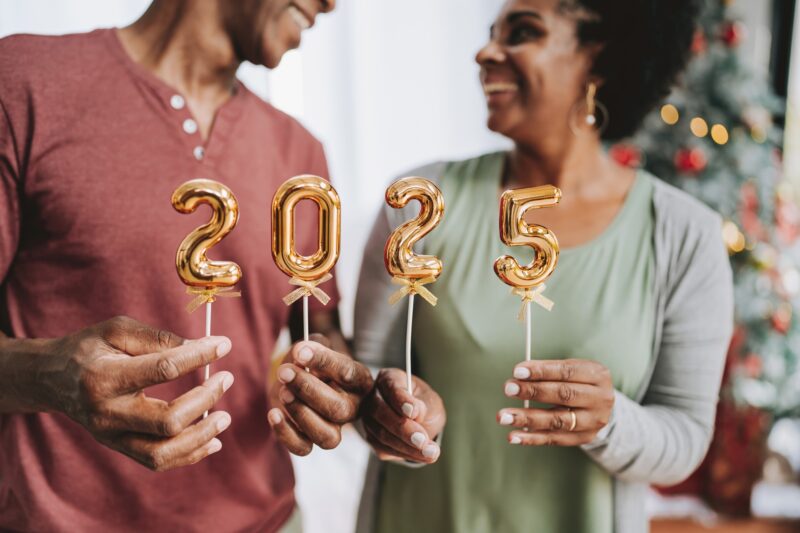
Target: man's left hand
(319, 390)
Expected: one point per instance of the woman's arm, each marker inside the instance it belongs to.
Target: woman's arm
(665, 438)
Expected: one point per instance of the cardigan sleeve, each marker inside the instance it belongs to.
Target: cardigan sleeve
(663, 439)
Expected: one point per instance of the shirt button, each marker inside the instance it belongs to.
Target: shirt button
(190, 126)
(199, 153)
(177, 101)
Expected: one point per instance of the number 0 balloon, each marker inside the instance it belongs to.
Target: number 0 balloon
(306, 272)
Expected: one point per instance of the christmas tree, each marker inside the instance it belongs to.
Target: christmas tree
(716, 139)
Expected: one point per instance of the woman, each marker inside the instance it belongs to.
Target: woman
(627, 365)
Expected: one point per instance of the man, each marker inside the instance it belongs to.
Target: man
(96, 131)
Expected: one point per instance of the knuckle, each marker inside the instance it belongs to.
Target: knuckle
(330, 441)
(533, 391)
(557, 422)
(166, 369)
(165, 339)
(305, 387)
(170, 425)
(567, 371)
(566, 393)
(341, 412)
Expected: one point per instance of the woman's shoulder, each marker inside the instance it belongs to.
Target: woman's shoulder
(680, 209)
(436, 170)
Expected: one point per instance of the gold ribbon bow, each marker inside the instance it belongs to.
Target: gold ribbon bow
(532, 295)
(203, 295)
(413, 286)
(308, 288)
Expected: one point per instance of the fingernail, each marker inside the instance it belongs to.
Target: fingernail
(522, 372)
(223, 423)
(408, 410)
(431, 451)
(274, 416)
(223, 348)
(418, 439)
(515, 440)
(286, 374)
(512, 389)
(227, 381)
(215, 446)
(286, 396)
(506, 419)
(305, 354)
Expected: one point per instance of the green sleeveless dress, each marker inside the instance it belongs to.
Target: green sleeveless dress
(467, 346)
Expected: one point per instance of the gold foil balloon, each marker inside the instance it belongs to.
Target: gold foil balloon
(194, 267)
(399, 256)
(514, 231)
(321, 192)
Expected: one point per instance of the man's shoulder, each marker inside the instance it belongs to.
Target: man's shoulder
(284, 125)
(28, 61)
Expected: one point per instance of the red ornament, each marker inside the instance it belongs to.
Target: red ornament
(627, 155)
(732, 33)
(752, 365)
(699, 43)
(690, 160)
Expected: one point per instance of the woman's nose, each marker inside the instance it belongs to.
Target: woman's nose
(492, 52)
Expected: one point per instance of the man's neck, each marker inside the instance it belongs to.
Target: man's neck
(184, 44)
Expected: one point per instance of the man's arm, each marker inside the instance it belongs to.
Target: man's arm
(97, 376)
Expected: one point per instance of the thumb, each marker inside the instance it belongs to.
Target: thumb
(393, 386)
(135, 338)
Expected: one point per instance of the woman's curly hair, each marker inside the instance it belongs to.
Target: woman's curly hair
(645, 46)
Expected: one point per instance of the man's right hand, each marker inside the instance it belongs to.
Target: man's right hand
(97, 375)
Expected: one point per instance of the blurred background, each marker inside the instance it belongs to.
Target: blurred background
(388, 85)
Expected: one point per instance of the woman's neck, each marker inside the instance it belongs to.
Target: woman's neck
(580, 166)
(184, 44)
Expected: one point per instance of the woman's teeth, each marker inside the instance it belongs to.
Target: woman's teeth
(499, 87)
(299, 18)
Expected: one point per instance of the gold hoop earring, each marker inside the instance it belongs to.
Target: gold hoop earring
(590, 113)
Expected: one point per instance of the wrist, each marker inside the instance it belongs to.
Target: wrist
(29, 373)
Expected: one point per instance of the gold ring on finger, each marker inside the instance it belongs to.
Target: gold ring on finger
(574, 418)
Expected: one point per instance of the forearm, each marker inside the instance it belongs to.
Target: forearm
(656, 444)
(28, 373)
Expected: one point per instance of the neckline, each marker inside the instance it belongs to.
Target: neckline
(165, 89)
(640, 181)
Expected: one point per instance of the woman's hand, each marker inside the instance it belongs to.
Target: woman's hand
(401, 426)
(319, 391)
(97, 375)
(582, 395)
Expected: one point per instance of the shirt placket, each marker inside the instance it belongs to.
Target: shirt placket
(188, 126)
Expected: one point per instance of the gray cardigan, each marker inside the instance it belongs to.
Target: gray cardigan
(662, 434)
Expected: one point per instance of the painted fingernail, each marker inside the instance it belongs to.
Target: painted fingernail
(214, 446)
(515, 440)
(506, 419)
(274, 416)
(522, 372)
(223, 423)
(408, 410)
(431, 451)
(223, 348)
(227, 382)
(305, 354)
(418, 439)
(286, 396)
(286, 374)
(512, 389)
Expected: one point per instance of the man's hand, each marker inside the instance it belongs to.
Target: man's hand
(320, 390)
(97, 376)
(402, 426)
